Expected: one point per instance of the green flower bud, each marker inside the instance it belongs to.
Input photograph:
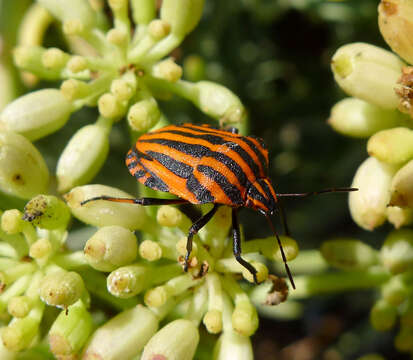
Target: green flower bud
(47, 212)
(395, 26)
(383, 316)
(36, 114)
(70, 331)
(231, 345)
(123, 89)
(368, 205)
(12, 222)
(219, 102)
(41, 249)
(19, 334)
(167, 70)
(105, 213)
(123, 336)
(77, 64)
(78, 10)
(73, 89)
(23, 172)
(55, 59)
(395, 291)
(358, 118)
(402, 187)
(110, 107)
(348, 254)
(128, 281)
(61, 288)
(6, 354)
(144, 115)
(177, 340)
(394, 146)
(398, 216)
(244, 318)
(150, 250)
(262, 272)
(397, 251)
(83, 156)
(182, 15)
(368, 72)
(111, 247)
(158, 29)
(213, 321)
(19, 306)
(404, 339)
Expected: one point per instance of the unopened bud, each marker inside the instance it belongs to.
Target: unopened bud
(245, 318)
(358, 118)
(349, 254)
(395, 291)
(36, 114)
(23, 172)
(231, 345)
(111, 247)
(55, 59)
(368, 72)
(167, 70)
(402, 187)
(399, 216)
(368, 204)
(117, 37)
(177, 340)
(158, 29)
(77, 64)
(397, 251)
(213, 321)
(150, 250)
(144, 115)
(262, 272)
(383, 315)
(110, 107)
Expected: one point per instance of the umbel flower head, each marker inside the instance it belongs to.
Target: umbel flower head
(121, 70)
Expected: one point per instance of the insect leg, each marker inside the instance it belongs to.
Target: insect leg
(283, 218)
(196, 226)
(237, 246)
(310, 193)
(141, 201)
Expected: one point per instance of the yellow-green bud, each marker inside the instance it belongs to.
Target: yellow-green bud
(61, 288)
(19, 306)
(397, 251)
(105, 213)
(110, 107)
(128, 281)
(78, 10)
(55, 59)
(169, 216)
(245, 318)
(122, 89)
(77, 64)
(262, 272)
(144, 115)
(41, 248)
(12, 222)
(394, 146)
(123, 336)
(143, 11)
(399, 216)
(358, 118)
(349, 254)
(83, 156)
(395, 291)
(73, 89)
(47, 212)
(177, 340)
(213, 321)
(19, 334)
(219, 102)
(117, 37)
(156, 297)
(111, 247)
(150, 250)
(290, 247)
(36, 114)
(183, 15)
(158, 29)
(404, 339)
(396, 27)
(70, 331)
(168, 70)
(231, 345)
(368, 204)
(368, 72)
(383, 316)
(23, 172)
(402, 187)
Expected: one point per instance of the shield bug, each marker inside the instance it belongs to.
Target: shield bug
(200, 164)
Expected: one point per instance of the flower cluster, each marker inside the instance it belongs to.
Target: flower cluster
(380, 108)
(120, 70)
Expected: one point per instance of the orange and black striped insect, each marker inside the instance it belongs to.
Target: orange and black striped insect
(201, 164)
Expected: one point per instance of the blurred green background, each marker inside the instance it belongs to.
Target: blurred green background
(275, 55)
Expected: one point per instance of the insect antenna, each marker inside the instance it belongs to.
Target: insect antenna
(318, 192)
(287, 269)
